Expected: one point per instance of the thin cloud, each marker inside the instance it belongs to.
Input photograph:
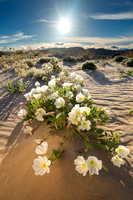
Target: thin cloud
(103, 40)
(14, 38)
(117, 16)
(45, 21)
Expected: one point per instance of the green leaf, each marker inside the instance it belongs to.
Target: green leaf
(74, 137)
(100, 146)
(105, 168)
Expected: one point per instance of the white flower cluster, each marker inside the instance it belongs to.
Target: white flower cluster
(78, 115)
(76, 78)
(41, 164)
(122, 152)
(92, 164)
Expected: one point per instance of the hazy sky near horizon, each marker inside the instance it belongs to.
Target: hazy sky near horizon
(92, 22)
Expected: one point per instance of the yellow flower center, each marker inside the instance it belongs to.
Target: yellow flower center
(80, 98)
(85, 112)
(120, 150)
(83, 166)
(43, 165)
(61, 104)
(78, 112)
(75, 119)
(40, 112)
(28, 131)
(84, 124)
(92, 163)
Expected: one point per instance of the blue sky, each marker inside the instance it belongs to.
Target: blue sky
(94, 23)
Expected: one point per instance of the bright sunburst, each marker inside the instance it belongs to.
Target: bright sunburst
(64, 26)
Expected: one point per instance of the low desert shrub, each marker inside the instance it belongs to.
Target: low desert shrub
(89, 65)
(129, 62)
(29, 63)
(44, 60)
(119, 58)
(69, 59)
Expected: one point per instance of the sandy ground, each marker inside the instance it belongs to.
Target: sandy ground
(17, 151)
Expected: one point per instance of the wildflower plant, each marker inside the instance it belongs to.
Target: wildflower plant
(64, 102)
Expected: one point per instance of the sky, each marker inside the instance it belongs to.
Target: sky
(91, 23)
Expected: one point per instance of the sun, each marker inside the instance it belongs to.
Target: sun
(64, 26)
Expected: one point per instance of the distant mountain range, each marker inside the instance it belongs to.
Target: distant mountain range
(79, 52)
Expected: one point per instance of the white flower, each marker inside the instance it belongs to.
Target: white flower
(52, 83)
(79, 78)
(80, 97)
(54, 95)
(37, 141)
(81, 165)
(73, 75)
(52, 77)
(28, 130)
(67, 85)
(43, 88)
(69, 95)
(76, 110)
(40, 111)
(37, 96)
(22, 113)
(122, 151)
(85, 125)
(58, 115)
(94, 165)
(117, 161)
(85, 111)
(78, 87)
(42, 149)
(37, 84)
(59, 102)
(106, 111)
(83, 118)
(62, 74)
(33, 91)
(28, 96)
(86, 93)
(39, 118)
(73, 118)
(41, 165)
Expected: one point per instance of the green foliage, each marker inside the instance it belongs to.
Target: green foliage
(29, 63)
(44, 60)
(89, 65)
(115, 54)
(56, 67)
(131, 111)
(69, 59)
(129, 62)
(55, 154)
(18, 86)
(119, 58)
(125, 74)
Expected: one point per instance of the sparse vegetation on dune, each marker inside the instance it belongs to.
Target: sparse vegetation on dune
(44, 60)
(18, 86)
(89, 65)
(119, 58)
(129, 62)
(69, 59)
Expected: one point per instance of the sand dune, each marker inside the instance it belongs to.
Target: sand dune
(64, 183)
